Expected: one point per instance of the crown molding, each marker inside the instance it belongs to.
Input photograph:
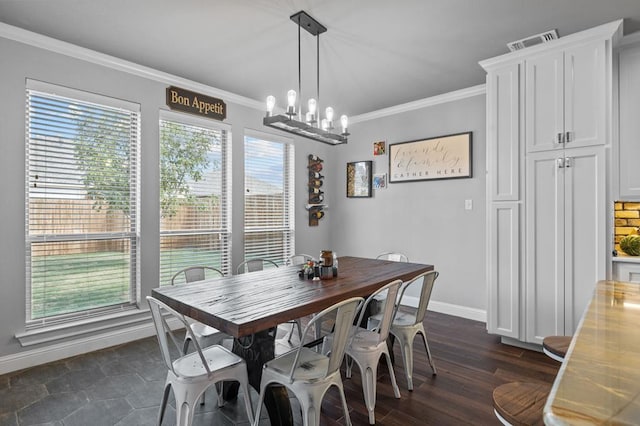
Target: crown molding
(51, 44)
(421, 103)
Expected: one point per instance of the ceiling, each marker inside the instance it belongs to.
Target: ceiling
(375, 54)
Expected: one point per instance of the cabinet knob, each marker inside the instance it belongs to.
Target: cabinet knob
(567, 137)
(567, 162)
(560, 163)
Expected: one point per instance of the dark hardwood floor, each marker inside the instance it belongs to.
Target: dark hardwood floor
(123, 385)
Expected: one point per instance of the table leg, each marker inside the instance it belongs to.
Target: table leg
(256, 350)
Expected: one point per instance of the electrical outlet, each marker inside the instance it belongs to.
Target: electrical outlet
(468, 204)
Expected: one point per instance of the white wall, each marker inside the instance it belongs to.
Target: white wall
(426, 220)
(21, 61)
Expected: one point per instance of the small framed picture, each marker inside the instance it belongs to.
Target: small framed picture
(380, 181)
(359, 179)
(380, 148)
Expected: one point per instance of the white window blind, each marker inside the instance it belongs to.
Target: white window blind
(268, 200)
(195, 184)
(82, 203)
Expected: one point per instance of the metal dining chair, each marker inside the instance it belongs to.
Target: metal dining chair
(394, 256)
(204, 334)
(367, 346)
(405, 326)
(195, 273)
(299, 259)
(255, 265)
(309, 374)
(190, 375)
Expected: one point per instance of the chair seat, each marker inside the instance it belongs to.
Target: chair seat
(403, 319)
(203, 330)
(521, 404)
(312, 365)
(556, 346)
(190, 366)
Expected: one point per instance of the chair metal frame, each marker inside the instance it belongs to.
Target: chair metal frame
(309, 374)
(204, 334)
(367, 346)
(257, 264)
(299, 259)
(194, 273)
(254, 265)
(190, 375)
(405, 326)
(393, 256)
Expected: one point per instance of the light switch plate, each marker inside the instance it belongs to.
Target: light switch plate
(468, 204)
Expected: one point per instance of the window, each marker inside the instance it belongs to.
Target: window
(195, 184)
(268, 199)
(82, 203)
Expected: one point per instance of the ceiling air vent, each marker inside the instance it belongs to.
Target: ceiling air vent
(533, 40)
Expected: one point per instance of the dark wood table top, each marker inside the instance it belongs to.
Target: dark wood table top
(240, 305)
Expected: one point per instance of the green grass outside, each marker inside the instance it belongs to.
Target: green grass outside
(63, 284)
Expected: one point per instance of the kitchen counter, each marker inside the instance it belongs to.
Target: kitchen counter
(599, 381)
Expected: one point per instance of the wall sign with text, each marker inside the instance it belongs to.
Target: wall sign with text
(196, 103)
(443, 157)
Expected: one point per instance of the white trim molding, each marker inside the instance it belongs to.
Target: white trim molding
(450, 309)
(87, 343)
(421, 103)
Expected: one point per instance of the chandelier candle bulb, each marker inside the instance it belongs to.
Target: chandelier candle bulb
(328, 113)
(291, 102)
(271, 103)
(344, 121)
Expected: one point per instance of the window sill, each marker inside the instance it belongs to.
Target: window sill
(80, 328)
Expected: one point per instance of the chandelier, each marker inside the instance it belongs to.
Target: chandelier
(310, 125)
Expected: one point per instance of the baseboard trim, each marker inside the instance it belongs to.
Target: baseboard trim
(58, 351)
(450, 309)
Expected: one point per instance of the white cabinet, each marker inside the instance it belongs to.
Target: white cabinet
(628, 153)
(566, 97)
(626, 271)
(549, 131)
(565, 238)
(504, 158)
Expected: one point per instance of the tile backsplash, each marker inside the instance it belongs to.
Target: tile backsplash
(626, 218)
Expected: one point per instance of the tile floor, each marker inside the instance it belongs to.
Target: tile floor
(119, 386)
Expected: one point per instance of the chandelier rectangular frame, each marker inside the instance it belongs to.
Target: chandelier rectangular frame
(313, 128)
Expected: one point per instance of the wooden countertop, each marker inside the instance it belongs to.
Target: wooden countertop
(599, 381)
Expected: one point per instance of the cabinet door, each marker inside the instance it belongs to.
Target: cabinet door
(585, 95)
(544, 246)
(503, 133)
(504, 269)
(586, 243)
(544, 105)
(629, 148)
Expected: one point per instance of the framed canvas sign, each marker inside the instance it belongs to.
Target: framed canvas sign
(359, 179)
(442, 157)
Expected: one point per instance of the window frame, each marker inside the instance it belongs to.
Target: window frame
(288, 228)
(53, 91)
(226, 230)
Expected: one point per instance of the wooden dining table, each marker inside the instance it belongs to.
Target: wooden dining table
(249, 307)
